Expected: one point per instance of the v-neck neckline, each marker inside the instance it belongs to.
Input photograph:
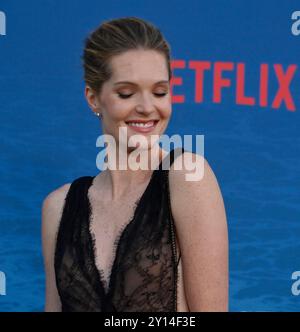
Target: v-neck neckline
(118, 240)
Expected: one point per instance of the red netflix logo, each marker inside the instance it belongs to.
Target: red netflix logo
(283, 80)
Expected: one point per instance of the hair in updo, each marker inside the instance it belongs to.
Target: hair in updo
(115, 37)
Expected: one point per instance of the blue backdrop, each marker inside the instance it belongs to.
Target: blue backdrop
(251, 128)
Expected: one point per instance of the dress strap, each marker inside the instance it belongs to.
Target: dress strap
(175, 153)
(169, 159)
(69, 224)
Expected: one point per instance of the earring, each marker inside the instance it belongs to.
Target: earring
(98, 114)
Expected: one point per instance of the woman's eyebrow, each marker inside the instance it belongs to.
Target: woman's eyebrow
(132, 83)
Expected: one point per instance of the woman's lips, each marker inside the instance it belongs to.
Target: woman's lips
(149, 126)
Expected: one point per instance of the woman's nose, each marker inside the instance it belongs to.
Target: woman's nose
(146, 105)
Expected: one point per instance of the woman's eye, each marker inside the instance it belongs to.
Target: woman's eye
(160, 94)
(124, 96)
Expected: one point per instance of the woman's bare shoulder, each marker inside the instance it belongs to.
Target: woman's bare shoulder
(55, 199)
(199, 214)
(51, 214)
(193, 184)
(188, 167)
(53, 205)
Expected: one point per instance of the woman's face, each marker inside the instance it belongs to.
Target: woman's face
(144, 96)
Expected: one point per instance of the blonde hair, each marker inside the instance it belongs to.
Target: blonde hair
(114, 37)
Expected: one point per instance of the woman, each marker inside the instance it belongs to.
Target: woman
(134, 240)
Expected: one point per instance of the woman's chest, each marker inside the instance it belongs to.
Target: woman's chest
(107, 224)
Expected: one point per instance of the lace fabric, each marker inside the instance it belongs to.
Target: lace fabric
(143, 273)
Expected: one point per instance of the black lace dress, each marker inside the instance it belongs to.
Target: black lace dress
(144, 271)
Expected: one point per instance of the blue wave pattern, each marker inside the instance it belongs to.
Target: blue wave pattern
(49, 135)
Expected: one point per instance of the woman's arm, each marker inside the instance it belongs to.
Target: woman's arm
(199, 214)
(51, 214)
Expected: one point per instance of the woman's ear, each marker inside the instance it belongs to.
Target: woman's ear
(91, 98)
